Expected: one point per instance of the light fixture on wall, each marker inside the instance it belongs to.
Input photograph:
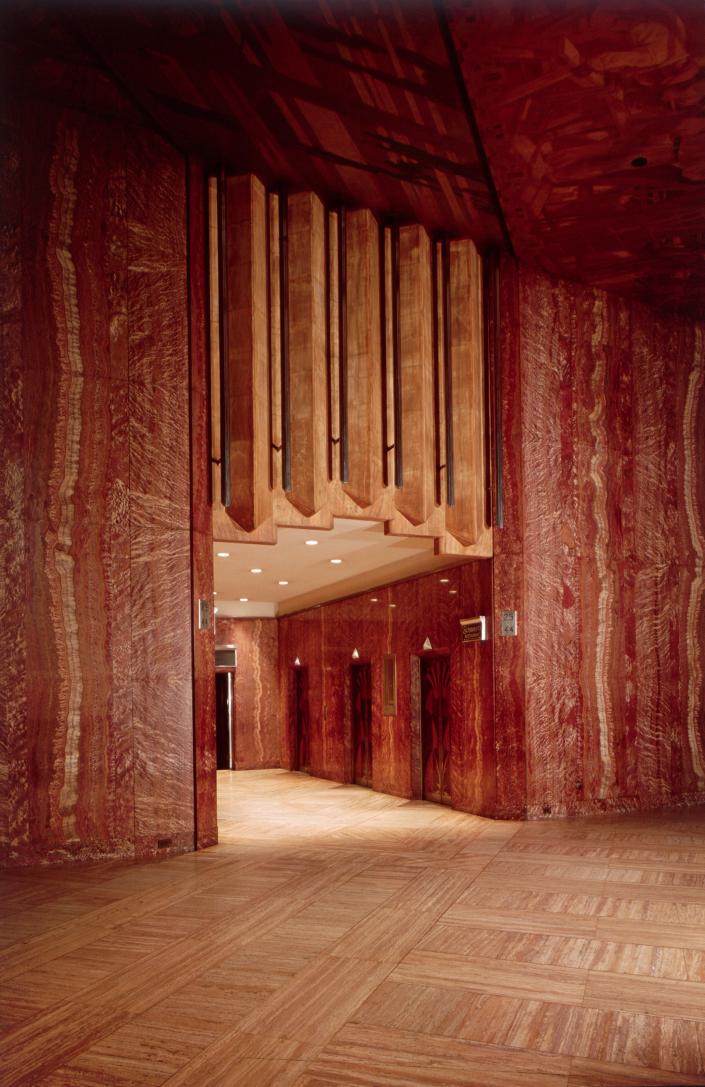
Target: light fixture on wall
(427, 643)
(356, 654)
(297, 662)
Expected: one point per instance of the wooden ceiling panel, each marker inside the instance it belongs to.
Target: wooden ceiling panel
(592, 118)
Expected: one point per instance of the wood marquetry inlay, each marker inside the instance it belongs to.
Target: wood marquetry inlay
(337, 936)
(415, 497)
(306, 317)
(247, 367)
(364, 359)
(334, 404)
(464, 517)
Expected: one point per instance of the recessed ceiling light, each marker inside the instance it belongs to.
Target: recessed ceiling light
(312, 543)
(445, 580)
(244, 599)
(256, 570)
(336, 562)
(223, 554)
(283, 582)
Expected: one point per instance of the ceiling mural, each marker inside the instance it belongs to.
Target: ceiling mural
(574, 131)
(592, 117)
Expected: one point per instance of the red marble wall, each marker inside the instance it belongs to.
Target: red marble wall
(602, 553)
(160, 493)
(323, 639)
(257, 742)
(97, 753)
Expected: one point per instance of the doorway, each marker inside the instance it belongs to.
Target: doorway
(224, 720)
(435, 728)
(361, 719)
(300, 719)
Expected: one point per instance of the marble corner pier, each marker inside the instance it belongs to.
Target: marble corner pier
(97, 755)
(603, 693)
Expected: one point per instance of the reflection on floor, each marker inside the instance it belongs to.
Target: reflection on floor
(340, 936)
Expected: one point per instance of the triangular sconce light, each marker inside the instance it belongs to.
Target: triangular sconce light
(355, 655)
(297, 662)
(427, 644)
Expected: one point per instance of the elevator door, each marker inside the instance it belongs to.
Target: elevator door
(361, 697)
(300, 718)
(224, 724)
(435, 728)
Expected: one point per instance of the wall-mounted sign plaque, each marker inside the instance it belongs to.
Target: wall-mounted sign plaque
(475, 629)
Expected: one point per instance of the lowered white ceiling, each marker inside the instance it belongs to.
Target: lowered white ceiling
(368, 558)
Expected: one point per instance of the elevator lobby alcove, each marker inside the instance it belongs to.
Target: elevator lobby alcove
(374, 687)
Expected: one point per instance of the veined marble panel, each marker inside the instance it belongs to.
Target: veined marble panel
(609, 545)
(95, 407)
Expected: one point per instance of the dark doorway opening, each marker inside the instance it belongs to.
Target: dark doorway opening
(361, 717)
(300, 719)
(435, 727)
(224, 720)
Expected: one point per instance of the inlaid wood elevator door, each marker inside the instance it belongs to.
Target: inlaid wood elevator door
(361, 715)
(435, 728)
(300, 719)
